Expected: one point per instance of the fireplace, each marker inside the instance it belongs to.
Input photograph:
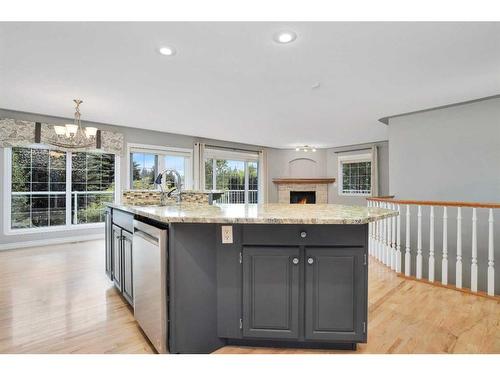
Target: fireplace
(303, 197)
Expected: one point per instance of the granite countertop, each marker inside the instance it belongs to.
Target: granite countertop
(270, 213)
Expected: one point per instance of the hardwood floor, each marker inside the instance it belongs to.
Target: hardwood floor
(56, 299)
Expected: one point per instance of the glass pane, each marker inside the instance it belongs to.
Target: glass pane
(356, 177)
(40, 158)
(209, 174)
(57, 160)
(177, 163)
(21, 157)
(253, 183)
(143, 171)
(89, 208)
(78, 160)
(21, 178)
(57, 209)
(40, 210)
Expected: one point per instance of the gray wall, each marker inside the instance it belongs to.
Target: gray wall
(291, 163)
(323, 163)
(450, 154)
(131, 135)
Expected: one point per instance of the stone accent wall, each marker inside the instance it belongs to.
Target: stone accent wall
(320, 189)
(152, 197)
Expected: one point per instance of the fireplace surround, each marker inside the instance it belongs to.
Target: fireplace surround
(317, 185)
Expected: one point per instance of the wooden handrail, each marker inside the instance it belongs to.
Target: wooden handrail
(435, 203)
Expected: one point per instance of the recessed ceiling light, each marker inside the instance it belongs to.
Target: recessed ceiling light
(285, 37)
(167, 51)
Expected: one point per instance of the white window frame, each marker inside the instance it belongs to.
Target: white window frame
(346, 159)
(162, 151)
(58, 228)
(246, 157)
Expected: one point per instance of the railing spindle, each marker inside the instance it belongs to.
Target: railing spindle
(419, 243)
(458, 266)
(388, 242)
(431, 245)
(444, 262)
(407, 243)
(370, 225)
(491, 253)
(379, 237)
(398, 241)
(393, 259)
(384, 234)
(473, 268)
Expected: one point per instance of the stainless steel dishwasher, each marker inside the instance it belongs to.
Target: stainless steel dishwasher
(149, 262)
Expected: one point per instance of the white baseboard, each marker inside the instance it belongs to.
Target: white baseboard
(50, 241)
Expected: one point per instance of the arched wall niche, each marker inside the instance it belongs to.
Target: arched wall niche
(303, 167)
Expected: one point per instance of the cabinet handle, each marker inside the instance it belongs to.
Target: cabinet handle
(295, 260)
(303, 234)
(310, 261)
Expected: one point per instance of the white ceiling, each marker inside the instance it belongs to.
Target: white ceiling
(231, 81)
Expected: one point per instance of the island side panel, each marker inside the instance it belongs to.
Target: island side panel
(229, 280)
(193, 288)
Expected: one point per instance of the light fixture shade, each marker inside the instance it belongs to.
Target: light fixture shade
(71, 130)
(284, 37)
(60, 130)
(90, 131)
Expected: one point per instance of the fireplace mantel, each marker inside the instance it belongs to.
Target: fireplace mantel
(293, 180)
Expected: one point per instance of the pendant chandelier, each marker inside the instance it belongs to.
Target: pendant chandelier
(74, 134)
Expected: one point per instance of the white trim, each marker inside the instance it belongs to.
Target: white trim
(215, 153)
(7, 198)
(162, 151)
(50, 241)
(351, 159)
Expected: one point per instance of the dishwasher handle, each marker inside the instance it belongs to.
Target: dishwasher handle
(146, 236)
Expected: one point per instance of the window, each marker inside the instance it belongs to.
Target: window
(51, 188)
(147, 161)
(38, 188)
(92, 186)
(144, 170)
(355, 173)
(235, 173)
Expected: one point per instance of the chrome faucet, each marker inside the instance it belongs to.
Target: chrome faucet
(174, 191)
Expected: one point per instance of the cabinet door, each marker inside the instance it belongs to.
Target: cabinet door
(271, 292)
(108, 235)
(117, 256)
(335, 294)
(127, 276)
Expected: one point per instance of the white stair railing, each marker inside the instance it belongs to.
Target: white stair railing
(385, 243)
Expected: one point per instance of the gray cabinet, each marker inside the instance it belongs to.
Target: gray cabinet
(334, 294)
(119, 250)
(108, 241)
(117, 256)
(271, 292)
(127, 276)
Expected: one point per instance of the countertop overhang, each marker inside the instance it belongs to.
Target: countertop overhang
(270, 213)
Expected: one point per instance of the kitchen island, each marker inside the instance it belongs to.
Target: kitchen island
(261, 275)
